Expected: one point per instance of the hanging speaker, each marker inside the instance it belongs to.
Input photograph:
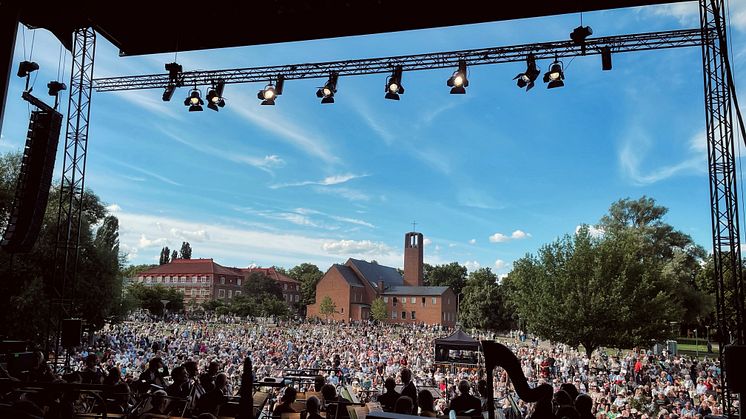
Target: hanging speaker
(33, 183)
(72, 333)
(735, 368)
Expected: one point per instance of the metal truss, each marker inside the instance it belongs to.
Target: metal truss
(548, 50)
(72, 186)
(723, 191)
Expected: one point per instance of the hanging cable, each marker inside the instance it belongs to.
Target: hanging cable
(33, 39)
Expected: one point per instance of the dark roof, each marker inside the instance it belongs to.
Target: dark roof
(270, 272)
(374, 273)
(190, 266)
(458, 340)
(415, 291)
(147, 27)
(348, 275)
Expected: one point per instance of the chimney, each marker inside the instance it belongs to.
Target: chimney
(381, 287)
(413, 259)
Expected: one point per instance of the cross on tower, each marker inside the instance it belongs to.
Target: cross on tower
(414, 225)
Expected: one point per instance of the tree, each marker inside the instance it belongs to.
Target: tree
(621, 288)
(260, 286)
(133, 270)
(451, 275)
(309, 276)
(378, 310)
(327, 306)
(9, 164)
(149, 297)
(186, 250)
(174, 255)
(165, 256)
(483, 304)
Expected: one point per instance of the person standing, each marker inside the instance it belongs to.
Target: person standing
(409, 389)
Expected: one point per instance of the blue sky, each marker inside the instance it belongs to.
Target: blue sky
(488, 176)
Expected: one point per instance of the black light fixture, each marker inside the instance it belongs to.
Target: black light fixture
(527, 78)
(326, 93)
(394, 87)
(271, 91)
(458, 81)
(555, 75)
(194, 101)
(174, 73)
(579, 34)
(55, 87)
(168, 93)
(27, 67)
(606, 58)
(215, 96)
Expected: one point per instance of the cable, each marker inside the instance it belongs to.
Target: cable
(33, 40)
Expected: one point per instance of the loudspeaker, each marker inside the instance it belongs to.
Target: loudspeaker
(606, 58)
(735, 367)
(72, 333)
(33, 183)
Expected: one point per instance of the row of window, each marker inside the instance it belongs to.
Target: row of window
(290, 287)
(194, 292)
(412, 300)
(447, 316)
(291, 297)
(231, 293)
(403, 315)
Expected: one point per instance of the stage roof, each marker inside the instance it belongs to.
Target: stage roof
(146, 27)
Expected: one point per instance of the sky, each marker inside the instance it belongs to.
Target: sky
(488, 176)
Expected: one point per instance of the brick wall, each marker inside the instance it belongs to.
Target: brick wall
(332, 284)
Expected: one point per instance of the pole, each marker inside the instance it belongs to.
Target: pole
(696, 343)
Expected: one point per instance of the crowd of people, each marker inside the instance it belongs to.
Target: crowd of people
(393, 364)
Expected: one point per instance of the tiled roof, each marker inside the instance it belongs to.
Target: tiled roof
(415, 291)
(190, 267)
(348, 274)
(271, 273)
(374, 273)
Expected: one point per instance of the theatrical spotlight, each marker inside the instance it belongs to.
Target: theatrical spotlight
(169, 92)
(271, 91)
(174, 73)
(458, 81)
(393, 84)
(194, 101)
(528, 78)
(326, 93)
(578, 36)
(555, 75)
(55, 88)
(27, 67)
(215, 96)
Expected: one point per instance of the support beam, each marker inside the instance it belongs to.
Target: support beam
(9, 14)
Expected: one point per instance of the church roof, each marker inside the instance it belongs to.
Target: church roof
(349, 275)
(375, 273)
(190, 266)
(415, 291)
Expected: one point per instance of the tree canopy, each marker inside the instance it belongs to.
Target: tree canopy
(186, 250)
(450, 275)
(378, 310)
(483, 304)
(309, 276)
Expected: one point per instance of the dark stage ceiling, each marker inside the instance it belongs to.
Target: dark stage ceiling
(146, 27)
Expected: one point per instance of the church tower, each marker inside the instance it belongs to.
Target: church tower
(413, 259)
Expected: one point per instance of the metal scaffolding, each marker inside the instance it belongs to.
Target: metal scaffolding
(72, 185)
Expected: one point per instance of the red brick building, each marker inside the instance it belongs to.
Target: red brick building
(290, 287)
(198, 279)
(353, 287)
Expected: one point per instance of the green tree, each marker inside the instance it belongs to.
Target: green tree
(9, 164)
(621, 288)
(258, 285)
(451, 275)
(165, 256)
(149, 297)
(309, 276)
(133, 271)
(186, 250)
(378, 310)
(174, 255)
(483, 304)
(327, 306)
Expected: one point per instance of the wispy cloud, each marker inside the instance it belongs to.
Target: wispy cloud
(145, 172)
(473, 241)
(356, 247)
(472, 265)
(635, 148)
(327, 181)
(343, 192)
(500, 264)
(502, 238)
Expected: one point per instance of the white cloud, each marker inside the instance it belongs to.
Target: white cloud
(500, 264)
(327, 181)
(635, 147)
(343, 192)
(473, 241)
(499, 238)
(113, 208)
(592, 230)
(352, 221)
(427, 242)
(146, 242)
(192, 236)
(686, 13)
(472, 265)
(452, 245)
(356, 247)
(519, 234)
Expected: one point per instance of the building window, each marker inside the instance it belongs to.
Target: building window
(435, 300)
(237, 293)
(403, 315)
(393, 314)
(394, 301)
(404, 301)
(239, 281)
(221, 293)
(423, 301)
(194, 292)
(342, 310)
(230, 293)
(448, 301)
(385, 299)
(147, 280)
(205, 293)
(413, 300)
(413, 318)
(222, 280)
(194, 279)
(297, 298)
(284, 286)
(285, 297)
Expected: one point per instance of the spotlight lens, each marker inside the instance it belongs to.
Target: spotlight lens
(215, 99)
(554, 75)
(194, 100)
(458, 80)
(525, 78)
(327, 91)
(393, 87)
(269, 94)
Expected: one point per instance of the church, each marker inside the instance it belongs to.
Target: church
(354, 286)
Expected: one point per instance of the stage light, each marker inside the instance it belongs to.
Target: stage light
(267, 95)
(528, 78)
(194, 101)
(326, 93)
(579, 34)
(27, 67)
(606, 58)
(168, 93)
(555, 75)
(215, 96)
(458, 81)
(55, 88)
(394, 87)
(174, 73)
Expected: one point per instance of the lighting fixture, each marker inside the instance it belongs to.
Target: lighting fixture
(527, 78)
(606, 58)
(194, 101)
(215, 96)
(394, 87)
(169, 92)
(27, 67)
(555, 75)
(326, 93)
(174, 73)
(458, 81)
(579, 34)
(271, 91)
(55, 87)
